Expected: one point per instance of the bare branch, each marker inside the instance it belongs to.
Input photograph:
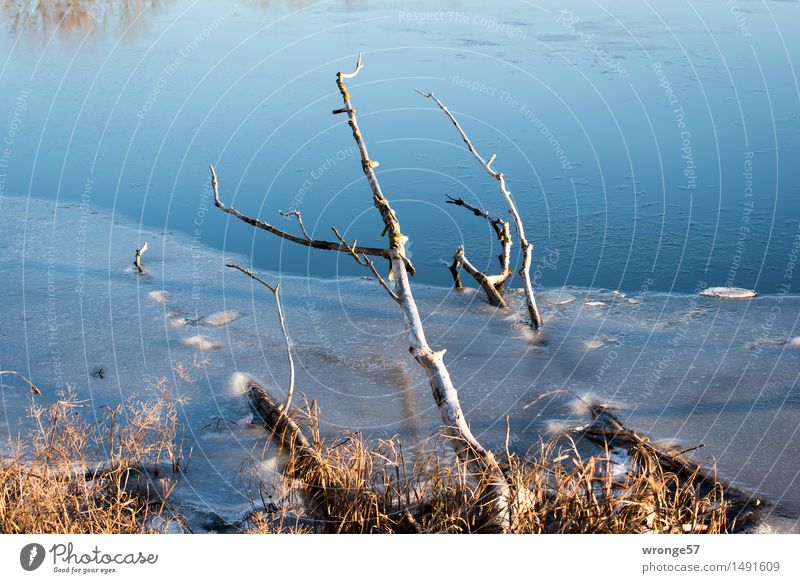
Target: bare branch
(359, 66)
(467, 447)
(454, 266)
(308, 242)
(397, 239)
(525, 246)
(364, 261)
(26, 380)
(486, 282)
(137, 258)
(495, 222)
(296, 214)
(493, 285)
(380, 279)
(275, 289)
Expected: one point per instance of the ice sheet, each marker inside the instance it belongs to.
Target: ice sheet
(681, 367)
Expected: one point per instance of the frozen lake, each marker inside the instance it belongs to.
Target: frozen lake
(680, 367)
(652, 150)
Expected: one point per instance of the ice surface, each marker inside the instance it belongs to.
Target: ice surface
(681, 367)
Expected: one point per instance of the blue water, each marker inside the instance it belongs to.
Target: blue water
(641, 140)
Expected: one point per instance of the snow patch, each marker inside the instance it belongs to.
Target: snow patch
(240, 383)
(159, 296)
(558, 298)
(220, 318)
(728, 293)
(201, 342)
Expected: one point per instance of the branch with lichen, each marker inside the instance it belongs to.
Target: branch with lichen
(466, 445)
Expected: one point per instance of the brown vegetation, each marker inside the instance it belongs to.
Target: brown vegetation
(347, 484)
(71, 475)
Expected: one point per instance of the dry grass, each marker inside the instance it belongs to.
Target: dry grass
(82, 470)
(102, 471)
(350, 486)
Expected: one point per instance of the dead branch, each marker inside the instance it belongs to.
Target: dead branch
(607, 430)
(486, 282)
(26, 380)
(493, 285)
(525, 245)
(364, 261)
(137, 258)
(481, 461)
(275, 289)
(296, 214)
(276, 417)
(445, 395)
(304, 240)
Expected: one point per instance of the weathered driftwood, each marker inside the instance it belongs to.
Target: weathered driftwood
(525, 246)
(276, 418)
(467, 447)
(606, 429)
(444, 392)
(137, 258)
(305, 460)
(492, 285)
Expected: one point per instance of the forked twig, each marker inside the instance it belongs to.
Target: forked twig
(305, 240)
(493, 285)
(296, 214)
(365, 261)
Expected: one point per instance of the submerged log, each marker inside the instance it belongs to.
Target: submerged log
(745, 508)
(276, 417)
